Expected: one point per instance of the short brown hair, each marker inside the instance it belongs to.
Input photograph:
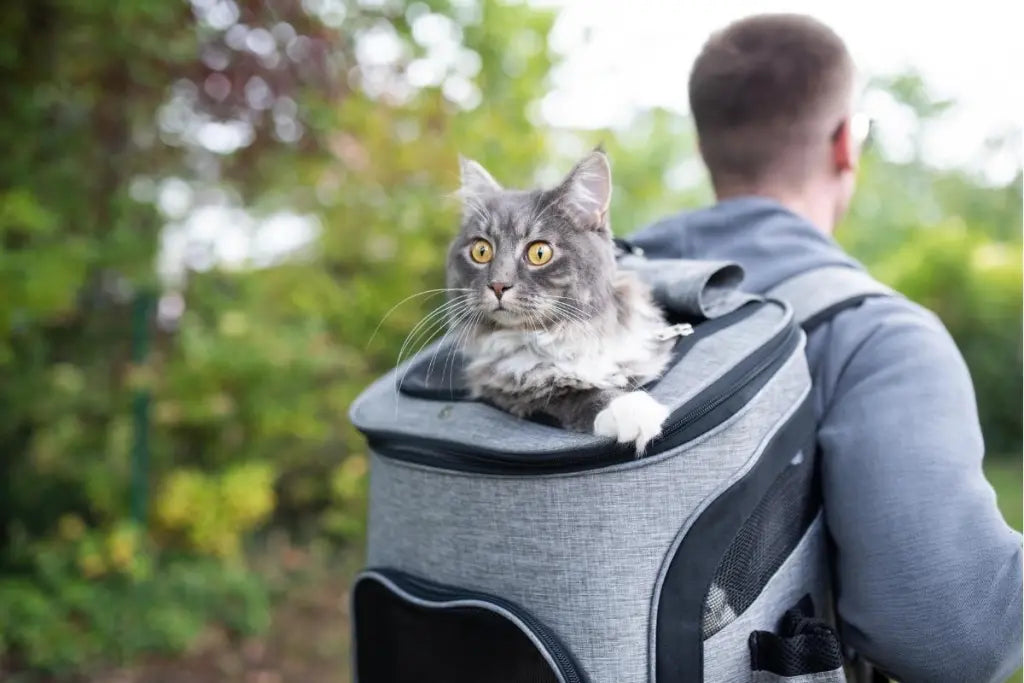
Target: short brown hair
(763, 91)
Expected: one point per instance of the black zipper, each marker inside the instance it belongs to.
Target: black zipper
(434, 592)
(712, 407)
(760, 369)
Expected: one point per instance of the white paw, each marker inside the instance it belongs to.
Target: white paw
(633, 417)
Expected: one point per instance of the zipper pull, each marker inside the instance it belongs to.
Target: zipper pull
(680, 330)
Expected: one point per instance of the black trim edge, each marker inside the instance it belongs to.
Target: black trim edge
(829, 312)
(679, 646)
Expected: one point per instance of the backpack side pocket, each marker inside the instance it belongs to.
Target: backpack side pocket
(804, 649)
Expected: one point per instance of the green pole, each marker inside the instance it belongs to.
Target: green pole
(140, 408)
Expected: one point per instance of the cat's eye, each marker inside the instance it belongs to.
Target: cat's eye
(539, 253)
(481, 251)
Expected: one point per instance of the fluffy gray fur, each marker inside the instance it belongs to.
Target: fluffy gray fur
(573, 338)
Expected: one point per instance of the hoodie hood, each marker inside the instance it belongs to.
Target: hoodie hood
(770, 242)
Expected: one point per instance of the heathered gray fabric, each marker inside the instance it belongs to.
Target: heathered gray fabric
(581, 551)
(706, 289)
(816, 290)
(471, 423)
(836, 676)
(726, 654)
(930, 575)
(733, 477)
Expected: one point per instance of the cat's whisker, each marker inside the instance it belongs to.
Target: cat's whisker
(563, 326)
(538, 311)
(574, 303)
(460, 343)
(574, 316)
(452, 327)
(558, 297)
(445, 322)
(458, 330)
(428, 320)
(530, 322)
(422, 339)
(430, 337)
(430, 292)
(568, 313)
(568, 307)
(443, 319)
(566, 298)
(540, 321)
(453, 346)
(564, 321)
(568, 301)
(567, 322)
(428, 326)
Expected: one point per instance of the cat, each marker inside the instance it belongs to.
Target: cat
(550, 324)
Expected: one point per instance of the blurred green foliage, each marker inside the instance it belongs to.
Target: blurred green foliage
(974, 285)
(123, 120)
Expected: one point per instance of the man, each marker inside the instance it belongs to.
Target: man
(928, 574)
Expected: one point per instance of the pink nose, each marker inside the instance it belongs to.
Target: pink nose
(499, 288)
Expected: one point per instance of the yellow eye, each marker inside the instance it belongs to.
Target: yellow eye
(539, 253)
(481, 251)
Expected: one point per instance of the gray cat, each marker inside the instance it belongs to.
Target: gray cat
(550, 324)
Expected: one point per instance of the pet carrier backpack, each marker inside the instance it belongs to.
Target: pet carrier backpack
(508, 550)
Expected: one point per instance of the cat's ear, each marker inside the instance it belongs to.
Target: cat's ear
(476, 180)
(587, 190)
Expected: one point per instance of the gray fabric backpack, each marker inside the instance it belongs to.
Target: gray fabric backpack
(509, 550)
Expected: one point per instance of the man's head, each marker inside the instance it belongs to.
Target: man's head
(771, 96)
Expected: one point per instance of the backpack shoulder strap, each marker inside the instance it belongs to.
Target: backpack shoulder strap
(816, 296)
(819, 294)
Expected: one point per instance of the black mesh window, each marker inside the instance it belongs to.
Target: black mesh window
(762, 544)
(400, 642)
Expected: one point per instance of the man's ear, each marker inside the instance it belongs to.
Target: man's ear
(587, 190)
(843, 154)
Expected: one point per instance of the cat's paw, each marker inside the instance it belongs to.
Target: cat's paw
(634, 417)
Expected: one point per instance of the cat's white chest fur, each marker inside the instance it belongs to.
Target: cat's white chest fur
(540, 363)
(596, 361)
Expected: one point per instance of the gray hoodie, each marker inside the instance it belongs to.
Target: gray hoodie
(928, 573)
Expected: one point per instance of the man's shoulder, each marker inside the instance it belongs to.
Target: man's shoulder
(663, 237)
(886, 315)
(890, 335)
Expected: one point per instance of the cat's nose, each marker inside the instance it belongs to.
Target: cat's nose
(499, 288)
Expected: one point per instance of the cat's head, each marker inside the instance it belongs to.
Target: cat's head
(527, 259)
